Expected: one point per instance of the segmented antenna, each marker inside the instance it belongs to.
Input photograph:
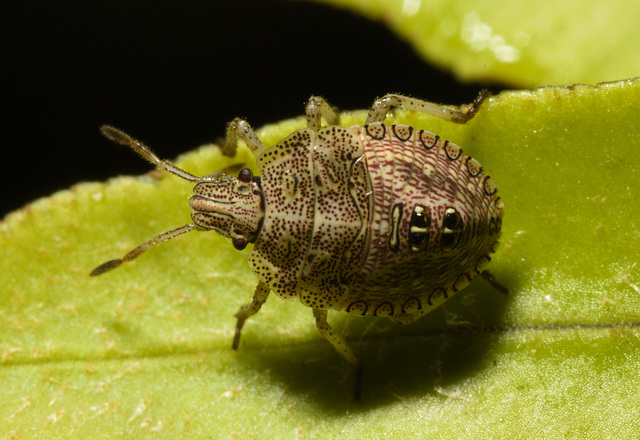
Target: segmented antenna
(120, 137)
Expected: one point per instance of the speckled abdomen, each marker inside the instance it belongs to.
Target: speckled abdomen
(435, 219)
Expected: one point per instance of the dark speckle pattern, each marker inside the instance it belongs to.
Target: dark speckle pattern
(382, 220)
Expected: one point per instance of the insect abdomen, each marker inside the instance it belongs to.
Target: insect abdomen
(430, 229)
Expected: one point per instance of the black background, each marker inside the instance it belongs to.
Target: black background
(174, 74)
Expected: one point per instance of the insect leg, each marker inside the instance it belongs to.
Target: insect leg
(241, 128)
(317, 108)
(341, 345)
(495, 283)
(250, 309)
(381, 106)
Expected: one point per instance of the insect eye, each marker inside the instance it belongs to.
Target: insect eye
(239, 243)
(245, 175)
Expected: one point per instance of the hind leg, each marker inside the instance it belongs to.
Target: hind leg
(381, 106)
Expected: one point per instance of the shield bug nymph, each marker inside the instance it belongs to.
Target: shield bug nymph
(383, 220)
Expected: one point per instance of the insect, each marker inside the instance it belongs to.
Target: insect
(382, 220)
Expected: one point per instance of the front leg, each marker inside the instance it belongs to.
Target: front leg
(239, 128)
(381, 106)
(340, 344)
(250, 309)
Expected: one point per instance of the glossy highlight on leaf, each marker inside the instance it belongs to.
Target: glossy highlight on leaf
(524, 43)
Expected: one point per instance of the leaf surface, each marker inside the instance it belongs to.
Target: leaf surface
(145, 349)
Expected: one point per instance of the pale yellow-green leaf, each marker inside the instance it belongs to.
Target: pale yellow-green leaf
(144, 351)
(523, 43)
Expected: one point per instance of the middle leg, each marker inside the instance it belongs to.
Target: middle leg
(250, 309)
(317, 108)
(340, 344)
